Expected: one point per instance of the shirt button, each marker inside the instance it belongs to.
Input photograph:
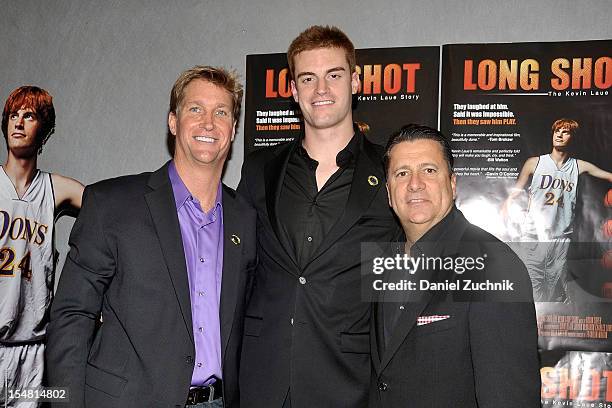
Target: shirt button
(382, 386)
(200, 329)
(199, 364)
(189, 360)
(201, 259)
(402, 307)
(201, 293)
(302, 280)
(309, 239)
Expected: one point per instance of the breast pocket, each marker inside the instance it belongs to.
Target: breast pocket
(435, 327)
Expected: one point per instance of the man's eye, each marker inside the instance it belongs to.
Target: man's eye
(430, 170)
(222, 113)
(335, 76)
(305, 80)
(195, 109)
(402, 173)
(13, 116)
(29, 115)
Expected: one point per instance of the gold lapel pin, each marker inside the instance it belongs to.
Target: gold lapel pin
(235, 239)
(373, 180)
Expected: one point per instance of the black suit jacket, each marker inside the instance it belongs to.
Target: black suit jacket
(308, 329)
(484, 355)
(127, 262)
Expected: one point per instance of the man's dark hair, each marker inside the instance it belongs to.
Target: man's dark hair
(412, 132)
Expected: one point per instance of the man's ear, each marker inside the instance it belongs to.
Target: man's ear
(355, 82)
(294, 91)
(172, 123)
(454, 185)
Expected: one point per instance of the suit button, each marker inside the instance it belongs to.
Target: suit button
(382, 386)
(302, 280)
(189, 360)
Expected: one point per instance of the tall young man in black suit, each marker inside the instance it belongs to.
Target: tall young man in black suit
(306, 340)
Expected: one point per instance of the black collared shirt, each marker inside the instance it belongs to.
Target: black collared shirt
(431, 244)
(306, 214)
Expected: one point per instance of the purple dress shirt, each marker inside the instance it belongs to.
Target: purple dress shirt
(202, 235)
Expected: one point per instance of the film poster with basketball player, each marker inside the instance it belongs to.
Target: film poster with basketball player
(531, 130)
(398, 86)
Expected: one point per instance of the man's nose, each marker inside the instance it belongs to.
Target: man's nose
(322, 87)
(415, 183)
(208, 121)
(19, 122)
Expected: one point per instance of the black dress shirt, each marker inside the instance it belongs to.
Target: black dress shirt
(306, 214)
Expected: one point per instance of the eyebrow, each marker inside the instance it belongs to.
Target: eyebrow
(201, 103)
(420, 166)
(25, 110)
(334, 69)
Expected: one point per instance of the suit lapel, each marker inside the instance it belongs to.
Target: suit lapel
(232, 258)
(403, 327)
(367, 180)
(415, 307)
(274, 174)
(165, 219)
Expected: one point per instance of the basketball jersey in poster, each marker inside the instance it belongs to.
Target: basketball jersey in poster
(26, 258)
(552, 199)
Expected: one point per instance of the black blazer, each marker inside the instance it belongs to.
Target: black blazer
(127, 262)
(484, 355)
(308, 329)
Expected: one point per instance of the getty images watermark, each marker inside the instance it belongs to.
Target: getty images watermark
(485, 272)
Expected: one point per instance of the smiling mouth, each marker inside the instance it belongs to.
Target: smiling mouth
(205, 139)
(416, 201)
(322, 103)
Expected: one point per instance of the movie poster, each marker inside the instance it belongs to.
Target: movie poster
(398, 86)
(530, 127)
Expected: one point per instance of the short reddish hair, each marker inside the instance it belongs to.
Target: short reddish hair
(37, 99)
(321, 37)
(570, 124)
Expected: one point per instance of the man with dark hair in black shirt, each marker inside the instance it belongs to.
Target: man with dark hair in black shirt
(306, 340)
(467, 338)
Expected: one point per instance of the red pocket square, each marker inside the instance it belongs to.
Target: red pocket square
(421, 320)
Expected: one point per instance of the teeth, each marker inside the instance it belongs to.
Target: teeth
(205, 139)
(323, 103)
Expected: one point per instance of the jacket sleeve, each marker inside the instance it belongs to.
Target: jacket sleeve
(503, 341)
(87, 273)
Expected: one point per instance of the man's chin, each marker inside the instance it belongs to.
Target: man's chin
(24, 152)
(419, 218)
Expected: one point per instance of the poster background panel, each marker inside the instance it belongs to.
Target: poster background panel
(498, 104)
